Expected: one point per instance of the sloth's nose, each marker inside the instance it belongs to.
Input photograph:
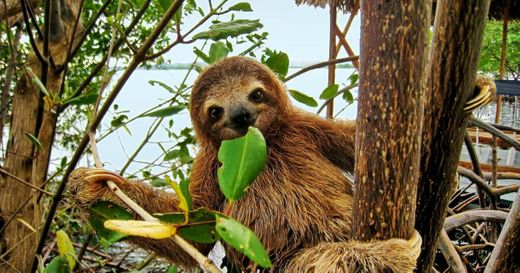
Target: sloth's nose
(241, 118)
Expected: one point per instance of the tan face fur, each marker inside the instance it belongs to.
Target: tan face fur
(234, 94)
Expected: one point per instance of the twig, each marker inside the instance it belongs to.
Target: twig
(471, 216)
(450, 254)
(320, 65)
(492, 130)
(16, 178)
(343, 90)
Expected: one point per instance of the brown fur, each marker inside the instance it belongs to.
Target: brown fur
(301, 204)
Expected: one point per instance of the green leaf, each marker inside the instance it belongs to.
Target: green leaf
(242, 6)
(166, 111)
(35, 141)
(165, 4)
(118, 120)
(84, 99)
(172, 269)
(158, 182)
(347, 96)
(201, 55)
(37, 81)
(185, 188)
(102, 211)
(178, 15)
(243, 239)
(162, 84)
(202, 233)
(221, 31)
(217, 51)
(65, 247)
(329, 92)
(242, 161)
(354, 78)
(307, 100)
(279, 63)
(59, 264)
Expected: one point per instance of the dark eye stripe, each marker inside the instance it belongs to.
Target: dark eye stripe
(257, 95)
(215, 112)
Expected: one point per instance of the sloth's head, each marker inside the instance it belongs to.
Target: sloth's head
(233, 94)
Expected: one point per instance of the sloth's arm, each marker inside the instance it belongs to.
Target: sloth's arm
(335, 139)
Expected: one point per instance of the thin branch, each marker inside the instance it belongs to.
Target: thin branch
(16, 178)
(341, 91)
(29, 32)
(492, 130)
(450, 254)
(320, 65)
(472, 216)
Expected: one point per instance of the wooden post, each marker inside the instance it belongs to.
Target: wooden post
(454, 56)
(332, 53)
(394, 43)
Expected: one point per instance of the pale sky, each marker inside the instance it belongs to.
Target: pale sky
(300, 31)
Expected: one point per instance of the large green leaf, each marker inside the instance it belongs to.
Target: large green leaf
(65, 247)
(201, 233)
(299, 96)
(102, 211)
(329, 92)
(243, 239)
(59, 264)
(242, 160)
(220, 31)
(278, 62)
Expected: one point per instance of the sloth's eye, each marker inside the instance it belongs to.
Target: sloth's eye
(215, 112)
(257, 95)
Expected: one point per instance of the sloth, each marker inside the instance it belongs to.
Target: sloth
(300, 206)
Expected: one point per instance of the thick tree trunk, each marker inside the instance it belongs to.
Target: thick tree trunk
(36, 115)
(505, 256)
(458, 31)
(390, 114)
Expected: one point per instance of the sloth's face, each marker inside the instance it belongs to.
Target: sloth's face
(231, 107)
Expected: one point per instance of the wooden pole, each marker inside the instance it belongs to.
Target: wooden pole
(332, 53)
(394, 45)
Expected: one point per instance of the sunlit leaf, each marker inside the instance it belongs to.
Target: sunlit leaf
(299, 96)
(147, 229)
(242, 161)
(347, 96)
(243, 239)
(183, 204)
(329, 92)
(242, 6)
(65, 247)
(200, 233)
(166, 111)
(220, 31)
(185, 188)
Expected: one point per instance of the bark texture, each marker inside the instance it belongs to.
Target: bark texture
(33, 114)
(505, 256)
(390, 115)
(458, 31)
